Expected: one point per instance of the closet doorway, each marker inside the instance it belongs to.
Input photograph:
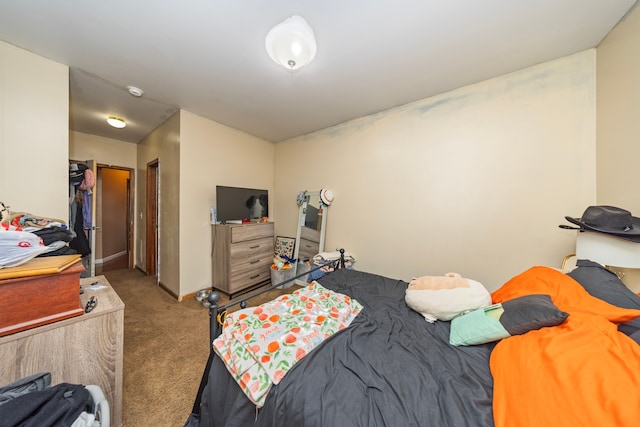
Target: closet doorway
(114, 218)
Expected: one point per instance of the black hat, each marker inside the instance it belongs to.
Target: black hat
(611, 220)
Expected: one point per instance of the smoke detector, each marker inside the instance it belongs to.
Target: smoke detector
(135, 91)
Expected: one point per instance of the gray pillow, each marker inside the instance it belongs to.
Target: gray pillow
(529, 312)
(604, 284)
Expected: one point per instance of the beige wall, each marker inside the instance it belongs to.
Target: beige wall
(473, 181)
(618, 107)
(618, 126)
(163, 144)
(213, 154)
(106, 151)
(34, 121)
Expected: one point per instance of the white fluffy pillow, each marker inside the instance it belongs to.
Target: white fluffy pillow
(445, 304)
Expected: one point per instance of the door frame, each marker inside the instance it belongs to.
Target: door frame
(89, 262)
(152, 215)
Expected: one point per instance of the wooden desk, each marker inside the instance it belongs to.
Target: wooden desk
(87, 349)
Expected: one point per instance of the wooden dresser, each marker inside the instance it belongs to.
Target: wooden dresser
(309, 243)
(242, 255)
(85, 349)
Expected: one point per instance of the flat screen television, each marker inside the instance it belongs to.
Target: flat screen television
(235, 203)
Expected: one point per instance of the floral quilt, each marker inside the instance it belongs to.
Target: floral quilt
(259, 345)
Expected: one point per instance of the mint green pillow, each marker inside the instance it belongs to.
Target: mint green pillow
(477, 327)
(514, 317)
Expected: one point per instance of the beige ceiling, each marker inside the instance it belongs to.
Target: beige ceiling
(208, 56)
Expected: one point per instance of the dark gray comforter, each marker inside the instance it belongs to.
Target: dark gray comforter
(388, 368)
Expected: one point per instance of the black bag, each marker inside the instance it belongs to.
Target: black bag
(35, 382)
(55, 406)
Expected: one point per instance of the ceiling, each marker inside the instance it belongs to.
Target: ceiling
(208, 56)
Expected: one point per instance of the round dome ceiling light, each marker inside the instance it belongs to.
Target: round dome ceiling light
(291, 43)
(116, 122)
(135, 91)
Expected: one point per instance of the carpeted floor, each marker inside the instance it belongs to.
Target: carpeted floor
(165, 349)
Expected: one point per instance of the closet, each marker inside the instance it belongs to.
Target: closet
(102, 209)
(82, 211)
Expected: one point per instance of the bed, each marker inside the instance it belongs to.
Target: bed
(390, 367)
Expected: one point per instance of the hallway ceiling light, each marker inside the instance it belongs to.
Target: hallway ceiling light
(116, 122)
(291, 43)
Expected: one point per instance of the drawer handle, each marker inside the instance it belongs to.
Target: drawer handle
(256, 276)
(254, 261)
(254, 247)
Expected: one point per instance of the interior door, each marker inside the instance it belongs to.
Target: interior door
(152, 217)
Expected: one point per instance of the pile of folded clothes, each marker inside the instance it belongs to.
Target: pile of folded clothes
(55, 233)
(24, 236)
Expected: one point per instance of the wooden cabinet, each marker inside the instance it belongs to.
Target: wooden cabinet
(24, 305)
(309, 243)
(87, 349)
(242, 255)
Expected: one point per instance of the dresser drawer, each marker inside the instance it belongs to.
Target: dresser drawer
(251, 249)
(251, 232)
(248, 280)
(249, 272)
